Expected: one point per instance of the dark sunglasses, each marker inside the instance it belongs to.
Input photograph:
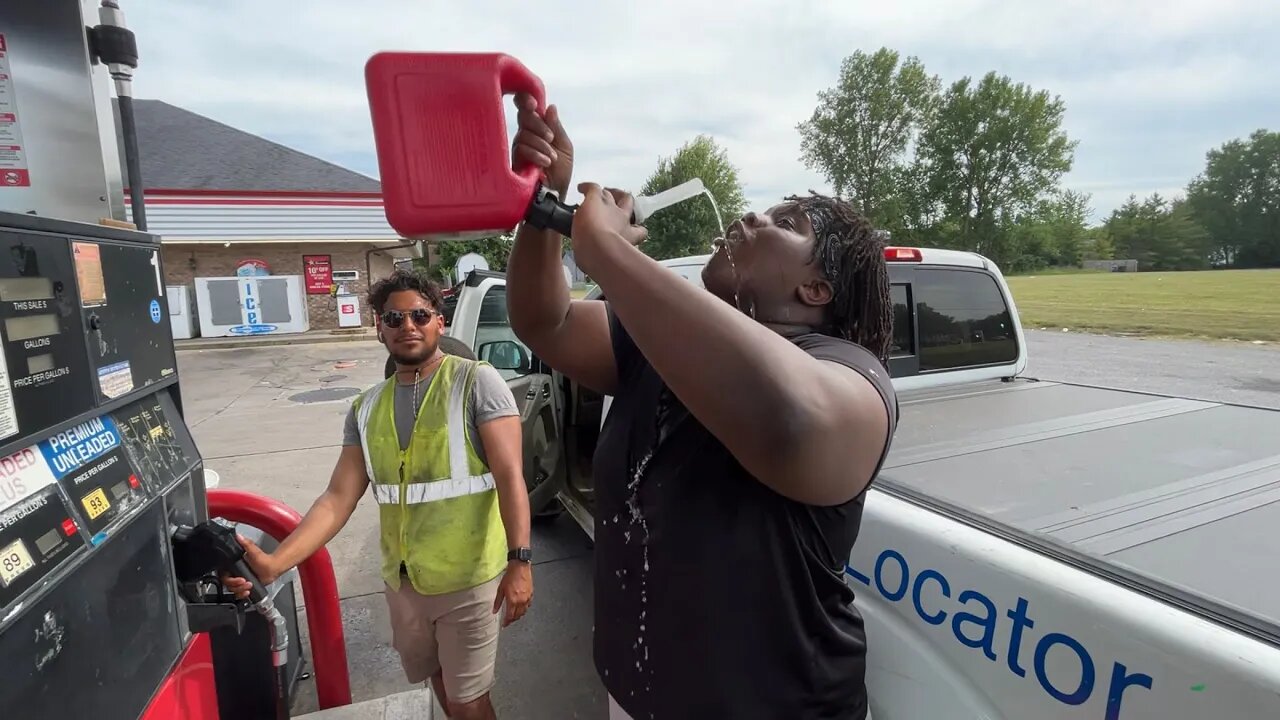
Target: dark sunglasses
(395, 318)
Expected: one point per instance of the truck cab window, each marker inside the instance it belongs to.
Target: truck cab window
(450, 305)
(964, 321)
(496, 342)
(903, 342)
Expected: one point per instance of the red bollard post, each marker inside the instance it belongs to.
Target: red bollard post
(319, 588)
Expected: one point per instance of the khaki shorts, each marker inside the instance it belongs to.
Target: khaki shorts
(454, 633)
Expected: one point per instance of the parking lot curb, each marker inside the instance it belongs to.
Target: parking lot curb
(268, 341)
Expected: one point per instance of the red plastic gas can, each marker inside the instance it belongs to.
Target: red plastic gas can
(441, 136)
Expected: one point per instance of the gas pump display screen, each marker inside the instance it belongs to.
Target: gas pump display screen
(44, 376)
(157, 440)
(126, 320)
(90, 463)
(37, 532)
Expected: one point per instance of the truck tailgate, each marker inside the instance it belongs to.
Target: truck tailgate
(1183, 491)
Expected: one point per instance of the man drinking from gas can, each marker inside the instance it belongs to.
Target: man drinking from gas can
(748, 420)
(440, 443)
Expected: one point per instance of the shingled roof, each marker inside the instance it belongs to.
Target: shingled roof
(182, 150)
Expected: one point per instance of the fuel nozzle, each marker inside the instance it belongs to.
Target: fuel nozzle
(210, 548)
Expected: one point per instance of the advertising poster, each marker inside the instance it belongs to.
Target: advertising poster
(317, 271)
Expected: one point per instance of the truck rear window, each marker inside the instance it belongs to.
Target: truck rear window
(963, 320)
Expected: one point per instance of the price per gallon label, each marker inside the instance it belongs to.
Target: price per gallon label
(14, 561)
(95, 503)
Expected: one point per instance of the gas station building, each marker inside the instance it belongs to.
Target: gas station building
(226, 202)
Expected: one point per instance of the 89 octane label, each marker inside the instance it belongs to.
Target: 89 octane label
(14, 560)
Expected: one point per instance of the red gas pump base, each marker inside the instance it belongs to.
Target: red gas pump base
(188, 692)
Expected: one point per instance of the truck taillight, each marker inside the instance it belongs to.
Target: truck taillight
(903, 254)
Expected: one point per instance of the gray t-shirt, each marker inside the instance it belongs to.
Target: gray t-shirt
(490, 400)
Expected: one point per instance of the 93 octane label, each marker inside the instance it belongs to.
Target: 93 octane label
(14, 560)
(95, 503)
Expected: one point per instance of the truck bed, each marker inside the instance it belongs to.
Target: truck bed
(1179, 490)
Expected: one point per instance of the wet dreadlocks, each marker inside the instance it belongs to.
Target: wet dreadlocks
(851, 253)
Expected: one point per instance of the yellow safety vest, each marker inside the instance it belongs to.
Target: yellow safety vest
(436, 499)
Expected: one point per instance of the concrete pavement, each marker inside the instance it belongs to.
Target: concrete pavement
(268, 419)
(257, 422)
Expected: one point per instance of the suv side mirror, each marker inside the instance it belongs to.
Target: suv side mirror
(506, 355)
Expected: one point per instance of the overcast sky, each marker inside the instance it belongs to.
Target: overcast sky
(1149, 86)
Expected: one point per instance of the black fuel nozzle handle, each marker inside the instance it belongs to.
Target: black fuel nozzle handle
(211, 547)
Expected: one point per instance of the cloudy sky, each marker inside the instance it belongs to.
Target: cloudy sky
(1149, 86)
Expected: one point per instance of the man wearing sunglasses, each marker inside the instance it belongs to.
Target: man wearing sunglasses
(440, 443)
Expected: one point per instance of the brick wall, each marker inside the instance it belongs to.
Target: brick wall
(184, 262)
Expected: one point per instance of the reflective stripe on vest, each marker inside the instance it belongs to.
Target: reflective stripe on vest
(431, 491)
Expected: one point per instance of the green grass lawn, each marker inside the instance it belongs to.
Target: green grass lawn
(1222, 304)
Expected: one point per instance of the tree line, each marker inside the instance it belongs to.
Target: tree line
(978, 165)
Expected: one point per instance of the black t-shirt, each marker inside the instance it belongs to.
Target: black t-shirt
(716, 597)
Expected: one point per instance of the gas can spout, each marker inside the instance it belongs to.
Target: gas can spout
(547, 212)
(647, 205)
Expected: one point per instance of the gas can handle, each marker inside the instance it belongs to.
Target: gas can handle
(514, 77)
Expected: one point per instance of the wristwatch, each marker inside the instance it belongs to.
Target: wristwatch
(523, 554)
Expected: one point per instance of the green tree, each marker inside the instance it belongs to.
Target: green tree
(689, 227)
(1052, 233)
(1158, 234)
(495, 251)
(992, 151)
(1237, 201)
(1097, 244)
(858, 135)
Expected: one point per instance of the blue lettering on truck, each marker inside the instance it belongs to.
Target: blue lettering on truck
(975, 628)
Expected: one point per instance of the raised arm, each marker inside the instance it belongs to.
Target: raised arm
(571, 336)
(810, 429)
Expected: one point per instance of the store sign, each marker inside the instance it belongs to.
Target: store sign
(317, 272)
(252, 267)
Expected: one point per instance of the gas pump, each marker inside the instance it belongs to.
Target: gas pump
(108, 557)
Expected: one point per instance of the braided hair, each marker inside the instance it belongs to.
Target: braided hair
(851, 254)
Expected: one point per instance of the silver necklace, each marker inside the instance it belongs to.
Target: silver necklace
(417, 380)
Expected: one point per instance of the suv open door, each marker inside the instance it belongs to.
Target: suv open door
(479, 321)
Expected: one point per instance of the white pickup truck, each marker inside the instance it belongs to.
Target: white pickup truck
(1031, 550)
